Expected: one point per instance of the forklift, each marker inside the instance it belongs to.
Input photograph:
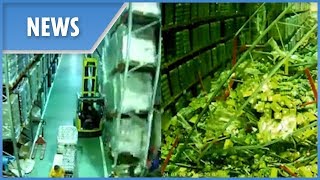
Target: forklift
(90, 104)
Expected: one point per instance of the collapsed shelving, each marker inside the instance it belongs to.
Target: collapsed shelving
(267, 133)
(131, 82)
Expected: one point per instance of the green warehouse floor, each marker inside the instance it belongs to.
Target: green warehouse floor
(61, 109)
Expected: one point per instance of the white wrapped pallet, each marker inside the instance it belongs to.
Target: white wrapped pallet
(141, 50)
(138, 85)
(67, 136)
(23, 91)
(146, 8)
(131, 137)
(15, 115)
(33, 83)
(69, 160)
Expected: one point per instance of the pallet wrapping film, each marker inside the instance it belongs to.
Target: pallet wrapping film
(23, 91)
(131, 137)
(138, 85)
(141, 50)
(6, 124)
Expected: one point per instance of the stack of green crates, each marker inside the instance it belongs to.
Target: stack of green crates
(184, 76)
(182, 13)
(191, 69)
(229, 27)
(204, 35)
(221, 51)
(207, 83)
(208, 61)
(194, 11)
(182, 41)
(181, 103)
(196, 67)
(203, 10)
(240, 22)
(165, 89)
(214, 58)
(204, 62)
(225, 8)
(215, 34)
(168, 14)
(213, 9)
(229, 48)
(195, 40)
(175, 84)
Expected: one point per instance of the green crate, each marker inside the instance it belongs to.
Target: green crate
(165, 89)
(221, 54)
(194, 11)
(229, 49)
(204, 35)
(181, 103)
(213, 9)
(168, 14)
(183, 77)
(209, 60)
(224, 8)
(229, 29)
(214, 58)
(191, 71)
(175, 84)
(182, 43)
(196, 66)
(240, 22)
(182, 13)
(195, 39)
(203, 10)
(207, 83)
(215, 34)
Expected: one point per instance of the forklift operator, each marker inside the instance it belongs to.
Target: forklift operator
(91, 118)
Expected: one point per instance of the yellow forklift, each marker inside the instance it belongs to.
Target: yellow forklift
(90, 104)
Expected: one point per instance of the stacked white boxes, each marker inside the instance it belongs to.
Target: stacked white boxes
(67, 136)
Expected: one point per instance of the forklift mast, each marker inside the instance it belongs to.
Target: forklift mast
(89, 77)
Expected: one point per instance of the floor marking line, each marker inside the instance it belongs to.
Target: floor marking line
(105, 169)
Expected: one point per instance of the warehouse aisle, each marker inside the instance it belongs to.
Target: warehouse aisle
(61, 110)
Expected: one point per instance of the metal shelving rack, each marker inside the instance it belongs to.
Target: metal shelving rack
(13, 133)
(8, 89)
(146, 21)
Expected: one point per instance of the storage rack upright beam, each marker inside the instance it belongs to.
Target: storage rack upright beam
(130, 67)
